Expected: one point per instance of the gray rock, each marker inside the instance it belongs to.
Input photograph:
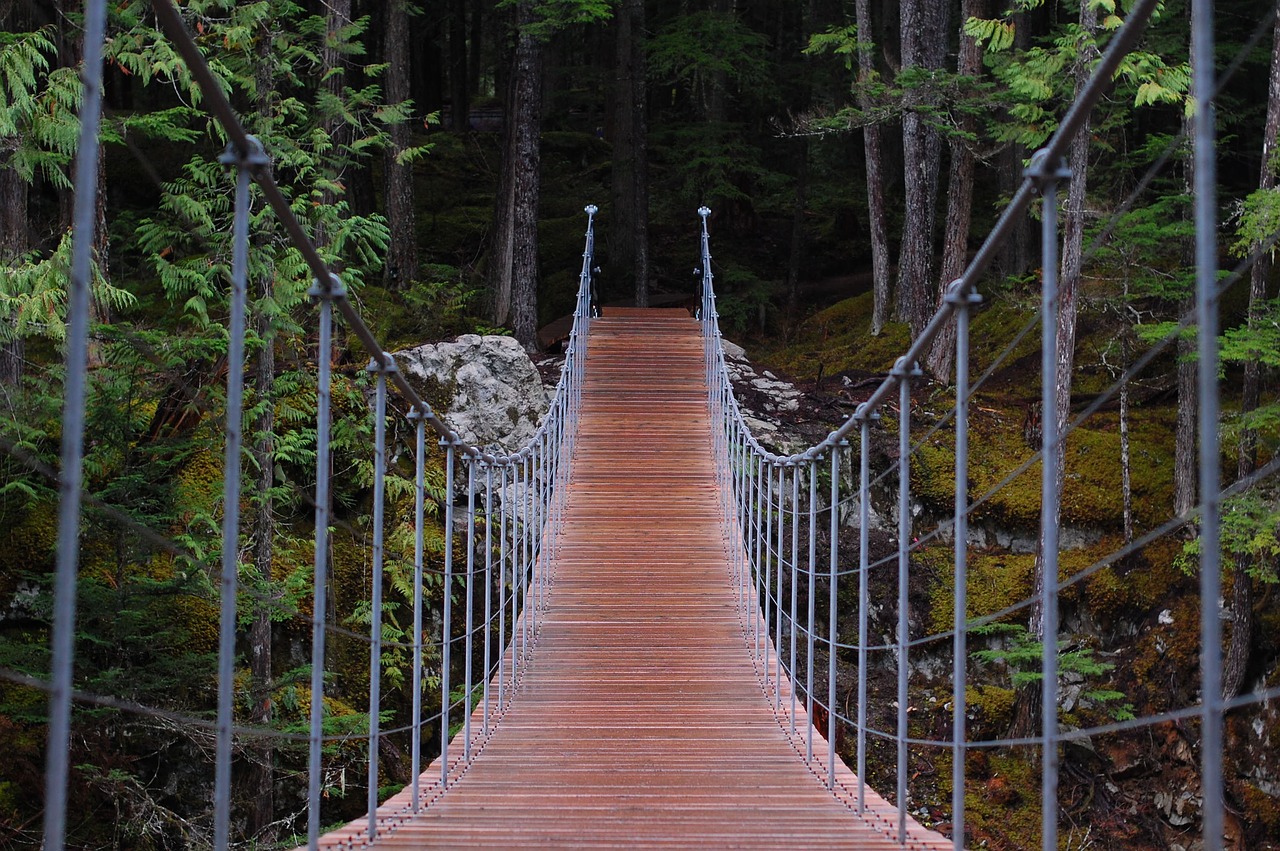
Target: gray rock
(732, 351)
(493, 391)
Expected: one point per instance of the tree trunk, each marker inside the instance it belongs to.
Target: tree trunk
(402, 254)
(1126, 470)
(1027, 703)
(337, 16)
(921, 22)
(622, 133)
(500, 243)
(1185, 459)
(260, 779)
(639, 151)
(875, 180)
(526, 117)
(1184, 452)
(796, 255)
(459, 85)
(955, 243)
(14, 242)
(1236, 663)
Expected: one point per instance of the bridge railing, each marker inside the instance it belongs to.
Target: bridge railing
(778, 507)
(517, 497)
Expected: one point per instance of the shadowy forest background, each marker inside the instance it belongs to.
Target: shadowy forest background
(853, 154)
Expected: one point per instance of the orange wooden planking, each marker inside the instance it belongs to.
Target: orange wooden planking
(642, 719)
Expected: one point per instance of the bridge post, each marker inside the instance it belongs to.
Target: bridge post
(526, 533)
(811, 615)
(777, 597)
(795, 569)
(1210, 470)
(416, 416)
(381, 367)
(488, 588)
(964, 303)
(832, 626)
(468, 630)
(450, 444)
(864, 415)
(246, 163)
(502, 590)
(1045, 175)
(70, 477)
(325, 294)
(770, 556)
(904, 372)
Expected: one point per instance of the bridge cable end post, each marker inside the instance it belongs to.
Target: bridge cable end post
(903, 371)
(864, 416)
(832, 609)
(451, 442)
(964, 302)
(1046, 173)
(380, 366)
(418, 417)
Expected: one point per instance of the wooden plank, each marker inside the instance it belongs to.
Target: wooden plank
(642, 719)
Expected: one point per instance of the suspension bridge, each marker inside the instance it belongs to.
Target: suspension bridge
(644, 641)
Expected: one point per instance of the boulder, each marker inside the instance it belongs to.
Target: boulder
(490, 390)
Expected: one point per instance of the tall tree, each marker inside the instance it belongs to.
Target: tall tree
(1236, 663)
(459, 79)
(923, 54)
(874, 159)
(402, 257)
(524, 114)
(1027, 708)
(332, 60)
(629, 229)
(14, 235)
(262, 526)
(955, 242)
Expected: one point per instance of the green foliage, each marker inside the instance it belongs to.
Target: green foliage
(33, 294)
(39, 129)
(693, 48)
(1021, 654)
(842, 41)
(1258, 221)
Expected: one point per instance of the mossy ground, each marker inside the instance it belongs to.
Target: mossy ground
(1139, 614)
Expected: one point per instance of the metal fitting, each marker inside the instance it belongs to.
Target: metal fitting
(1041, 172)
(386, 364)
(254, 159)
(335, 291)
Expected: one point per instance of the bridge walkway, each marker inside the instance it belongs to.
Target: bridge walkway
(642, 719)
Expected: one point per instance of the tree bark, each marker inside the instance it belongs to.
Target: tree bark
(640, 150)
(1184, 452)
(796, 255)
(1126, 469)
(875, 180)
(402, 254)
(260, 779)
(525, 115)
(629, 223)
(1027, 703)
(1240, 645)
(921, 23)
(459, 86)
(337, 16)
(955, 243)
(14, 242)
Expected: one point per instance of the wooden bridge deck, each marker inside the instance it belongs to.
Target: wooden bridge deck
(642, 719)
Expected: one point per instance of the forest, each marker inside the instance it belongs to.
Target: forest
(854, 154)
